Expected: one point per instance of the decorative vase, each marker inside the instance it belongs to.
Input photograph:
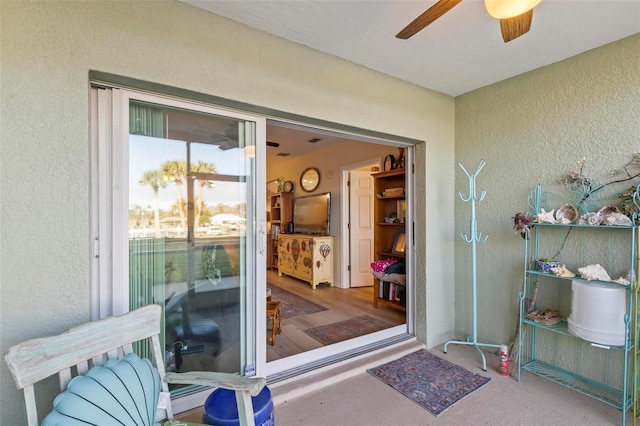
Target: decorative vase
(546, 266)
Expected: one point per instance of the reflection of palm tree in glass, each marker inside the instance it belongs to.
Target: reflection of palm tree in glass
(153, 178)
(175, 171)
(176, 207)
(202, 167)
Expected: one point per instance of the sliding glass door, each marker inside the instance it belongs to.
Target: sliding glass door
(187, 230)
(180, 221)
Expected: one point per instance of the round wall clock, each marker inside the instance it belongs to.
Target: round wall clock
(310, 179)
(288, 186)
(388, 162)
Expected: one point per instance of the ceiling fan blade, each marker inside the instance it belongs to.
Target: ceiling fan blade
(273, 144)
(513, 28)
(430, 15)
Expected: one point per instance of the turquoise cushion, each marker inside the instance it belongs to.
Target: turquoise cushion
(124, 392)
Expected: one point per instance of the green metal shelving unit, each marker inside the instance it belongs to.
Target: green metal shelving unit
(607, 373)
(636, 328)
(636, 355)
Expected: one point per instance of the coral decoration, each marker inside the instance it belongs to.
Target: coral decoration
(521, 222)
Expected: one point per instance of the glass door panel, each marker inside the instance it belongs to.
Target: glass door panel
(191, 232)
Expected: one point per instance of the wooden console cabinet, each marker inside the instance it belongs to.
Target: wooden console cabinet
(306, 257)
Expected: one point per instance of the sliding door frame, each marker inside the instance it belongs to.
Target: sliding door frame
(110, 219)
(275, 371)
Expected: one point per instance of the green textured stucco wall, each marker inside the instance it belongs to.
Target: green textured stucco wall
(530, 129)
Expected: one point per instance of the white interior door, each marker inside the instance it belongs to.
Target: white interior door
(361, 228)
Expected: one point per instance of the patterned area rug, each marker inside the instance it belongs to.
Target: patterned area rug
(345, 330)
(292, 304)
(432, 382)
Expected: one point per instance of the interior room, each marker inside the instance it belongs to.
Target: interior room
(304, 212)
(486, 137)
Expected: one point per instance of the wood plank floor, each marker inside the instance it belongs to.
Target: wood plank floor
(343, 304)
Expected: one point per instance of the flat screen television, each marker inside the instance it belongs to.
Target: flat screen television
(311, 214)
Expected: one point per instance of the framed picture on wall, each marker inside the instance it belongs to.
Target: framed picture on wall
(399, 244)
(272, 187)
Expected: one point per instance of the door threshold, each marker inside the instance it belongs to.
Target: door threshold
(311, 381)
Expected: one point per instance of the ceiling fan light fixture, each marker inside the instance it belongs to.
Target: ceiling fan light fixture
(249, 151)
(505, 9)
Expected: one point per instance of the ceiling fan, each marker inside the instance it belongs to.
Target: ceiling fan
(515, 17)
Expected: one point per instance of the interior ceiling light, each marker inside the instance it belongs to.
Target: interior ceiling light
(505, 9)
(249, 151)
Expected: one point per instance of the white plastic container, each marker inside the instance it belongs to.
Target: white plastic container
(597, 312)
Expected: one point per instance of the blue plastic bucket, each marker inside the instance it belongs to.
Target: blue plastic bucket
(220, 408)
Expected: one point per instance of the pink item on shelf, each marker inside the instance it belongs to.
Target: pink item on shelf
(380, 265)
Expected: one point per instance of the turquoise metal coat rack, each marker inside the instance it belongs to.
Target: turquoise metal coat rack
(473, 238)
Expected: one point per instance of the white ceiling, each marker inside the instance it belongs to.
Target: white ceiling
(460, 52)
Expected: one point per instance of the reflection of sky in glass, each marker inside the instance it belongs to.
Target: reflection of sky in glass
(148, 153)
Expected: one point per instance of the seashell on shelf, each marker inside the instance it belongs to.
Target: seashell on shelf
(590, 219)
(567, 214)
(546, 217)
(562, 271)
(608, 210)
(594, 272)
(616, 219)
(546, 316)
(621, 280)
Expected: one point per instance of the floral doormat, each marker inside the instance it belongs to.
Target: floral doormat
(347, 329)
(432, 382)
(292, 304)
